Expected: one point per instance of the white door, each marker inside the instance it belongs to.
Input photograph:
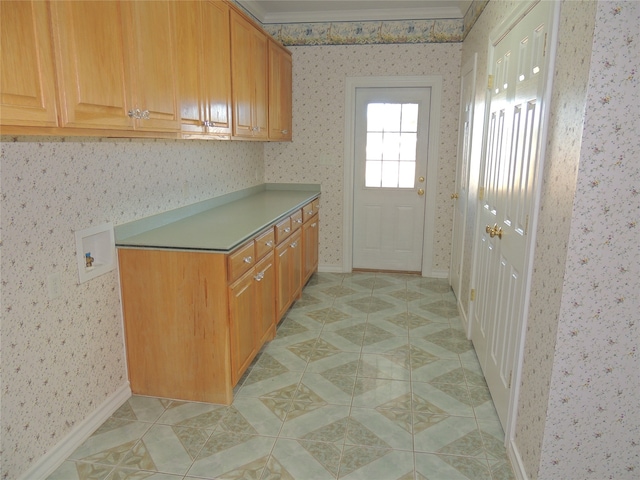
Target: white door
(461, 193)
(507, 195)
(391, 144)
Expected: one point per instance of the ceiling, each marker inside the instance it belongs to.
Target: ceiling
(312, 11)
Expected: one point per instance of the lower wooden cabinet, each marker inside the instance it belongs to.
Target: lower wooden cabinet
(310, 234)
(252, 312)
(195, 320)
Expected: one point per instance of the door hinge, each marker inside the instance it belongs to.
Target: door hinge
(490, 82)
(510, 375)
(544, 48)
(526, 225)
(473, 294)
(481, 193)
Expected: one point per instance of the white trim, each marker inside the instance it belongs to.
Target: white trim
(516, 461)
(49, 462)
(438, 274)
(330, 269)
(428, 81)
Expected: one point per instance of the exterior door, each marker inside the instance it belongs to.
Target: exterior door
(391, 142)
(461, 193)
(508, 187)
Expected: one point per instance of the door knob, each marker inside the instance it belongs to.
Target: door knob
(454, 196)
(494, 231)
(421, 191)
(421, 179)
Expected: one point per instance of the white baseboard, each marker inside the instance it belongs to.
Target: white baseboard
(49, 462)
(330, 269)
(516, 461)
(438, 274)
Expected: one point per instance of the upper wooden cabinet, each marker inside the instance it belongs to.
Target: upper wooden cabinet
(204, 67)
(121, 68)
(117, 65)
(280, 89)
(249, 59)
(27, 80)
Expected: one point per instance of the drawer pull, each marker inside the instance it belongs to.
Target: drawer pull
(294, 245)
(248, 259)
(287, 230)
(314, 225)
(298, 220)
(269, 243)
(259, 276)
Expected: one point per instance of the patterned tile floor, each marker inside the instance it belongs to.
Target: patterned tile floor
(369, 377)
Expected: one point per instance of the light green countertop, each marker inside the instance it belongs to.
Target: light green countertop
(220, 224)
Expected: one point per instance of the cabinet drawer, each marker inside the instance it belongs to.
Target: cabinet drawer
(296, 220)
(240, 261)
(283, 229)
(310, 209)
(264, 243)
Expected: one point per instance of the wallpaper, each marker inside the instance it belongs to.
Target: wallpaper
(554, 223)
(62, 357)
(317, 151)
(593, 419)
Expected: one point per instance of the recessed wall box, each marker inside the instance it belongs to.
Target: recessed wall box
(95, 251)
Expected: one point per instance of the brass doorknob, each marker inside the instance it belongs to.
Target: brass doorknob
(421, 191)
(494, 231)
(454, 196)
(421, 179)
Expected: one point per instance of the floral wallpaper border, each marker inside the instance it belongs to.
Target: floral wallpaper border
(377, 32)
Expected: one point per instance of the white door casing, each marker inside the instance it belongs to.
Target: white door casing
(520, 63)
(388, 220)
(461, 192)
(352, 83)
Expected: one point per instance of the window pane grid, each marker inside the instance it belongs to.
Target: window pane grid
(391, 145)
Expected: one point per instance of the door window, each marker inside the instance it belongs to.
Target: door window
(391, 136)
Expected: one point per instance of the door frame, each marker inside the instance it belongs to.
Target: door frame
(464, 305)
(428, 81)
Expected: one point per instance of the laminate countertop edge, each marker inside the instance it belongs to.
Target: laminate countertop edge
(220, 224)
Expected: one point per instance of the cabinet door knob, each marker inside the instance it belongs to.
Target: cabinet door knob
(284, 132)
(248, 259)
(269, 243)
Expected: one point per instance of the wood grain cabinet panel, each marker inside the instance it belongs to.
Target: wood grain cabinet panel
(249, 61)
(117, 65)
(27, 78)
(280, 92)
(154, 65)
(310, 237)
(204, 68)
(176, 324)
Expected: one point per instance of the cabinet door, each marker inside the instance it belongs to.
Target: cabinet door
(280, 90)
(93, 64)
(204, 67)
(295, 245)
(216, 64)
(241, 325)
(265, 278)
(283, 278)
(27, 82)
(189, 47)
(154, 65)
(310, 236)
(249, 79)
